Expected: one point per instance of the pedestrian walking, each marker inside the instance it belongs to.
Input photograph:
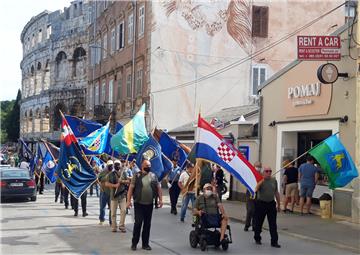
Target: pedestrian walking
(308, 176)
(250, 204)
(39, 177)
(290, 181)
(95, 185)
(65, 193)
(105, 191)
(174, 189)
(58, 191)
(75, 204)
(117, 181)
(219, 178)
(143, 188)
(188, 192)
(265, 205)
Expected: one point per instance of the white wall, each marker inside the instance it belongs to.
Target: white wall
(186, 54)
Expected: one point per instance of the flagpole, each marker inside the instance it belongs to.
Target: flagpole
(47, 147)
(198, 165)
(302, 155)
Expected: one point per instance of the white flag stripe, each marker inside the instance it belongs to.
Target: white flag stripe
(236, 163)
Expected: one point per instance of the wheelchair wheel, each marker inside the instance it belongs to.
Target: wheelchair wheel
(225, 246)
(203, 244)
(193, 239)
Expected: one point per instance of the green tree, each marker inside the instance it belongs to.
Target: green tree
(5, 110)
(13, 120)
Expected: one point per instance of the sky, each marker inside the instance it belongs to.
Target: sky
(14, 16)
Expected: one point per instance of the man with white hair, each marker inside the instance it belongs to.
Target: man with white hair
(265, 205)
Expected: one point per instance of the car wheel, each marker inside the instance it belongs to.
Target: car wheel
(33, 198)
(193, 239)
(203, 244)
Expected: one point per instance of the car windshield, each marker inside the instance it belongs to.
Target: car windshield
(14, 174)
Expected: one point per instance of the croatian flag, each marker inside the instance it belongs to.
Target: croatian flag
(212, 146)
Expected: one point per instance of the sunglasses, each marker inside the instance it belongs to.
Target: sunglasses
(268, 171)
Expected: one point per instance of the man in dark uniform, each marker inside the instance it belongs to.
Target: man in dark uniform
(174, 189)
(75, 204)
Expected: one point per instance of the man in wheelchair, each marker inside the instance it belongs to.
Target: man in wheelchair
(211, 212)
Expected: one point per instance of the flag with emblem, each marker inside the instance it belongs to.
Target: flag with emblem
(95, 143)
(49, 167)
(131, 136)
(73, 168)
(82, 127)
(336, 161)
(211, 146)
(151, 150)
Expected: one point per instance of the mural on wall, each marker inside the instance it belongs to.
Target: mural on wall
(212, 16)
(190, 40)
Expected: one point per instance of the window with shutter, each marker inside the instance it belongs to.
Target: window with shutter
(260, 21)
(258, 77)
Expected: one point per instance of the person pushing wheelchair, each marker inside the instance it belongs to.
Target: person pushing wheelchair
(211, 211)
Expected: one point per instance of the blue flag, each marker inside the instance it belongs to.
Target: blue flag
(49, 167)
(172, 149)
(35, 159)
(73, 169)
(25, 151)
(82, 127)
(95, 143)
(160, 164)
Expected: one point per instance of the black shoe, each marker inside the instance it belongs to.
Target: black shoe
(41, 193)
(258, 242)
(246, 229)
(66, 207)
(76, 214)
(55, 200)
(182, 220)
(148, 248)
(276, 245)
(133, 247)
(61, 201)
(85, 214)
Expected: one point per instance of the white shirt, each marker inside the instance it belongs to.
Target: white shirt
(184, 177)
(24, 165)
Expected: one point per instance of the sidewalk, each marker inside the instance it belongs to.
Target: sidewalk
(339, 233)
(335, 232)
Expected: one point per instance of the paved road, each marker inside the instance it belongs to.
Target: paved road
(43, 227)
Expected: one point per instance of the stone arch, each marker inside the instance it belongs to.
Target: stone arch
(25, 122)
(61, 65)
(77, 109)
(38, 79)
(32, 70)
(57, 116)
(30, 122)
(45, 123)
(46, 79)
(37, 120)
(79, 62)
(32, 81)
(38, 66)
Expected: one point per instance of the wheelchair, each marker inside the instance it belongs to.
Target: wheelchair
(205, 235)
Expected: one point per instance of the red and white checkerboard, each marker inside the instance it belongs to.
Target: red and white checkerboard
(225, 152)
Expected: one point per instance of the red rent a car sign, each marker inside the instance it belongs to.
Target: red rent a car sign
(319, 47)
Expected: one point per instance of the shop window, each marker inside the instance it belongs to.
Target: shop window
(141, 20)
(260, 21)
(139, 78)
(104, 46)
(113, 40)
(128, 85)
(130, 28)
(121, 35)
(258, 77)
(111, 92)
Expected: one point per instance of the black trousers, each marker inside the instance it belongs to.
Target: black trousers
(263, 209)
(58, 191)
(40, 182)
(250, 211)
(65, 193)
(75, 202)
(174, 193)
(143, 215)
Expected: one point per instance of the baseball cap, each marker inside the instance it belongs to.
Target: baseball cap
(110, 162)
(117, 161)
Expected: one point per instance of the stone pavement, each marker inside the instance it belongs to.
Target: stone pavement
(334, 232)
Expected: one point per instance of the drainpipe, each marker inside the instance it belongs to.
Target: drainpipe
(133, 58)
(260, 126)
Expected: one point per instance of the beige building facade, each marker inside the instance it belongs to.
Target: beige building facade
(298, 112)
